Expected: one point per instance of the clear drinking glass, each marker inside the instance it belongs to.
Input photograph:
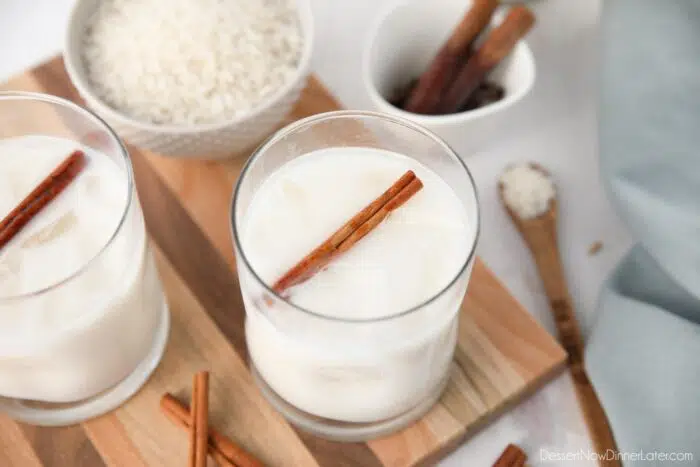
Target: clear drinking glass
(79, 345)
(302, 357)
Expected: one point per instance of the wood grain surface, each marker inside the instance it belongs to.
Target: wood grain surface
(502, 355)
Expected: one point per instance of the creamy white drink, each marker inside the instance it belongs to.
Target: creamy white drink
(373, 334)
(81, 306)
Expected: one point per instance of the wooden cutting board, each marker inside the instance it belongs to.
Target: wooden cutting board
(502, 354)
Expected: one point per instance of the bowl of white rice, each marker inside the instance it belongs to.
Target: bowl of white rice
(190, 78)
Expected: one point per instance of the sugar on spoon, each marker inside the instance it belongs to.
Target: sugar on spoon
(529, 196)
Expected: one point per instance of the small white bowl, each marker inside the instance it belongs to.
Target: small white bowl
(402, 44)
(207, 141)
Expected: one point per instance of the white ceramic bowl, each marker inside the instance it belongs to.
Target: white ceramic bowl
(208, 141)
(402, 44)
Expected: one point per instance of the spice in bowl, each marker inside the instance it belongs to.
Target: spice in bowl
(457, 79)
(185, 62)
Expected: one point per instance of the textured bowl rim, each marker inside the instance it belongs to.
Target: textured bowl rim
(72, 57)
(521, 52)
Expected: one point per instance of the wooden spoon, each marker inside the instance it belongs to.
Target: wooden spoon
(540, 234)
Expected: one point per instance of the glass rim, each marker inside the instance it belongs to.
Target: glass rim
(86, 113)
(314, 119)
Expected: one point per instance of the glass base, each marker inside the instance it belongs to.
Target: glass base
(345, 431)
(47, 414)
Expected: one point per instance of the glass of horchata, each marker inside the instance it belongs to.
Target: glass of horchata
(83, 318)
(360, 345)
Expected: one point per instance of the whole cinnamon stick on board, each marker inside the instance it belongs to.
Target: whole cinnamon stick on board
(497, 45)
(200, 418)
(192, 454)
(220, 446)
(425, 96)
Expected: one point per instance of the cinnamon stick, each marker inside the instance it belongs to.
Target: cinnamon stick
(426, 95)
(404, 195)
(200, 417)
(43, 194)
(497, 45)
(222, 461)
(351, 232)
(192, 458)
(512, 456)
(221, 447)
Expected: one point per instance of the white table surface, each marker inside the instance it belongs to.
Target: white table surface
(557, 128)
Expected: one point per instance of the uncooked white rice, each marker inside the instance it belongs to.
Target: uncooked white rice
(190, 61)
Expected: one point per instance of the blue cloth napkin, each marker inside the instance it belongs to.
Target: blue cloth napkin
(643, 355)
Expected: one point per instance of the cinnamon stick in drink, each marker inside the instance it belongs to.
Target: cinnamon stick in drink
(497, 45)
(351, 232)
(401, 197)
(49, 188)
(425, 96)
